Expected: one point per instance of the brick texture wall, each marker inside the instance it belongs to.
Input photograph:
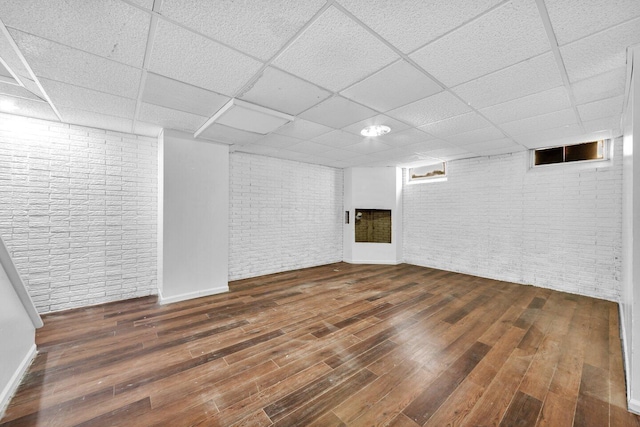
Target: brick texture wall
(284, 215)
(558, 228)
(78, 211)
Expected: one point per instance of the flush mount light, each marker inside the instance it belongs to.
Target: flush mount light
(6, 105)
(248, 117)
(375, 130)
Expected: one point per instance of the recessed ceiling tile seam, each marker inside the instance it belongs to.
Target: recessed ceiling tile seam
(153, 27)
(553, 42)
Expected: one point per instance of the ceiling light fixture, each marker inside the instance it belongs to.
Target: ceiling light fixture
(6, 105)
(375, 130)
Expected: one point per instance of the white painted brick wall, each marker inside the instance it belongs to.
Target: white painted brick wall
(78, 211)
(284, 215)
(558, 228)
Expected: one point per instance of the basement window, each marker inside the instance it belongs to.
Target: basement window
(430, 173)
(373, 225)
(586, 151)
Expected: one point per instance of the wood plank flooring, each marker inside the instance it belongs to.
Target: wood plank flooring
(336, 345)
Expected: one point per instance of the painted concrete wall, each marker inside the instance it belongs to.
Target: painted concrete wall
(195, 217)
(373, 188)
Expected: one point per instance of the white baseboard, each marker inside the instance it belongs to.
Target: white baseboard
(14, 382)
(625, 351)
(634, 406)
(191, 295)
(363, 261)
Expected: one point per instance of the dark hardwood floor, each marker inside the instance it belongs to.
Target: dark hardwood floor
(332, 346)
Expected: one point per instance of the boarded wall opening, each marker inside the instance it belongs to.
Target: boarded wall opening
(373, 225)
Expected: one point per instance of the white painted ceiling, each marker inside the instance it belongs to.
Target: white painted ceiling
(452, 78)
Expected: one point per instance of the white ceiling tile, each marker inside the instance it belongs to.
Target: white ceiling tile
(508, 34)
(528, 77)
(61, 63)
(301, 157)
(428, 146)
(66, 95)
(147, 4)
(191, 58)
(504, 145)
(475, 136)
(283, 92)
(146, 129)
(303, 129)
(548, 137)
(545, 121)
(27, 107)
(404, 138)
(380, 119)
(457, 124)
(392, 154)
(309, 147)
(170, 119)
(532, 105)
(449, 153)
(603, 108)
(262, 150)
(603, 124)
(335, 52)
(170, 93)
(339, 154)
(337, 112)
(500, 151)
(398, 84)
(18, 91)
(409, 24)
(338, 138)
(600, 52)
(100, 121)
(255, 27)
(277, 141)
(606, 85)
(108, 28)
(574, 19)
(229, 135)
(368, 146)
(432, 109)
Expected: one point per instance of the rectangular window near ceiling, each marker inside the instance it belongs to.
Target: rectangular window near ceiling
(426, 173)
(586, 151)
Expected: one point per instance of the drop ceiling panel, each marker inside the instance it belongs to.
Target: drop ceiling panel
(429, 110)
(338, 138)
(277, 141)
(526, 78)
(544, 121)
(455, 125)
(228, 135)
(396, 85)
(5, 75)
(428, 146)
(100, 121)
(337, 112)
(283, 92)
(147, 129)
(335, 52)
(303, 129)
(503, 145)
(380, 119)
(508, 34)
(404, 138)
(66, 95)
(549, 137)
(603, 108)
(368, 146)
(27, 107)
(604, 124)
(191, 58)
(64, 64)
(606, 85)
(17, 91)
(532, 105)
(170, 93)
(147, 4)
(475, 136)
(255, 27)
(309, 147)
(409, 24)
(575, 19)
(339, 154)
(170, 119)
(600, 52)
(449, 153)
(108, 28)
